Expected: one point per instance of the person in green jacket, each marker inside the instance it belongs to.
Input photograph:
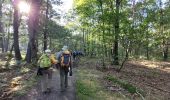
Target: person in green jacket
(45, 64)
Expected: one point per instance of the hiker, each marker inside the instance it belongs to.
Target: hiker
(45, 70)
(65, 66)
(74, 55)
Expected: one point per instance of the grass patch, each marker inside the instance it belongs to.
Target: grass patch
(129, 87)
(90, 87)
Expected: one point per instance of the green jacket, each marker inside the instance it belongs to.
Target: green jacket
(44, 61)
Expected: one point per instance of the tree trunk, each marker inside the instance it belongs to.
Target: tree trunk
(46, 23)
(84, 47)
(33, 30)
(165, 51)
(12, 47)
(8, 30)
(50, 44)
(165, 47)
(116, 60)
(15, 35)
(7, 41)
(166, 54)
(1, 26)
(28, 55)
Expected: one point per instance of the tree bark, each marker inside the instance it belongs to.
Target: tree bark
(28, 55)
(15, 35)
(1, 26)
(46, 23)
(165, 51)
(33, 23)
(116, 60)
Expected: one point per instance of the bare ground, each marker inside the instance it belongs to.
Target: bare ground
(151, 77)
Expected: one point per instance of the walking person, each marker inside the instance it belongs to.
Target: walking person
(45, 71)
(65, 66)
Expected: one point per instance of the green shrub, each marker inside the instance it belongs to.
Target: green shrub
(10, 55)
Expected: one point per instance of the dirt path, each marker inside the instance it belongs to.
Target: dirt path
(69, 94)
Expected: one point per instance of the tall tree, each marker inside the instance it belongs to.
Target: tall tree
(1, 26)
(15, 28)
(116, 60)
(46, 23)
(33, 24)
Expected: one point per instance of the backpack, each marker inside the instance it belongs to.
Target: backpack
(65, 59)
(44, 61)
(53, 59)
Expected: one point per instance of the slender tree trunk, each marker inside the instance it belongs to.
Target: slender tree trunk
(15, 35)
(84, 47)
(147, 48)
(7, 39)
(50, 44)
(1, 27)
(165, 47)
(8, 30)
(12, 47)
(116, 47)
(46, 23)
(165, 51)
(8, 43)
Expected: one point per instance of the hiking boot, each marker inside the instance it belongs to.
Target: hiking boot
(45, 92)
(62, 90)
(49, 90)
(66, 86)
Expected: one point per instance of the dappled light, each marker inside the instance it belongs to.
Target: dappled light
(24, 70)
(15, 82)
(164, 66)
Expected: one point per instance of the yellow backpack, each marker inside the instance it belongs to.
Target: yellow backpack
(53, 59)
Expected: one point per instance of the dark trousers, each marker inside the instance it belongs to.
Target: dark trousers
(63, 77)
(46, 78)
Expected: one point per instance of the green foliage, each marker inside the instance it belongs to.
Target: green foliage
(140, 24)
(9, 55)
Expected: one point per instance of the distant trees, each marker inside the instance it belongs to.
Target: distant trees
(140, 26)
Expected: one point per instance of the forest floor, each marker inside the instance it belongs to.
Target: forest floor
(138, 80)
(15, 80)
(149, 76)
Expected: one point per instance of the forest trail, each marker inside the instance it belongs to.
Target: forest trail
(56, 94)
